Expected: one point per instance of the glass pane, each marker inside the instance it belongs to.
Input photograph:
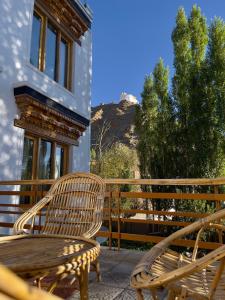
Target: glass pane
(35, 40)
(27, 167)
(45, 151)
(27, 164)
(59, 161)
(63, 63)
(51, 46)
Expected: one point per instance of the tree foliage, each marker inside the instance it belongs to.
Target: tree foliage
(181, 130)
(119, 161)
(152, 119)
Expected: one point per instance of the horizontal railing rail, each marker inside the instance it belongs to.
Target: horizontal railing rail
(131, 215)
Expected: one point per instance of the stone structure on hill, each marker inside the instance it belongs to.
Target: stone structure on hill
(111, 123)
(128, 97)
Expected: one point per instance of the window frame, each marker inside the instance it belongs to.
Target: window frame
(61, 35)
(35, 165)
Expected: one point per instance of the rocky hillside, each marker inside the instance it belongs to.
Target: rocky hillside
(113, 123)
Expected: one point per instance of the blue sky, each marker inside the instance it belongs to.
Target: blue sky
(129, 36)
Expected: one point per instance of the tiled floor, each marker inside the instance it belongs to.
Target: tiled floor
(116, 267)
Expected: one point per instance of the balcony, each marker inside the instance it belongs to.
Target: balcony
(137, 214)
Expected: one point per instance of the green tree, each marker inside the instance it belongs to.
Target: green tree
(182, 133)
(199, 37)
(190, 38)
(154, 123)
(197, 102)
(214, 93)
(146, 125)
(180, 90)
(165, 122)
(120, 161)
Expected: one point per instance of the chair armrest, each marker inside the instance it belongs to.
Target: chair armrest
(144, 266)
(186, 270)
(18, 227)
(218, 227)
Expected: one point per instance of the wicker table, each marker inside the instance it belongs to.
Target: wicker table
(36, 256)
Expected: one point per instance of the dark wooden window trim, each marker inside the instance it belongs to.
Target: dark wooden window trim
(61, 34)
(35, 163)
(37, 140)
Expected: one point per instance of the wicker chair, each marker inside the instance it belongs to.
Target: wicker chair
(184, 277)
(14, 288)
(74, 207)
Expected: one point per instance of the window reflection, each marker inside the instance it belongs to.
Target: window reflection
(35, 41)
(27, 158)
(50, 161)
(59, 163)
(63, 63)
(44, 169)
(27, 167)
(51, 44)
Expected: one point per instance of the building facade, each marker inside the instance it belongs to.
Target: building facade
(45, 78)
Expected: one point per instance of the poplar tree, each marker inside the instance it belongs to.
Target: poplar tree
(197, 121)
(180, 91)
(146, 124)
(182, 134)
(214, 93)
(164, 129)
(190, 38)
(191, 143)
(216, 68)
(164, 161)
(153, 117)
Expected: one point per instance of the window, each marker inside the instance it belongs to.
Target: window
(51, 52)
(45, 160)
(27, 164)
(35, 42)
(42, 159)
(51, 49)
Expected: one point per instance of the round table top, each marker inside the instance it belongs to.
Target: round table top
(38, 253)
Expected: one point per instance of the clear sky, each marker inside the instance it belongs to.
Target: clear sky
(129, 36)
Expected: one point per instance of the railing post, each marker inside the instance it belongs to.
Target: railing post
(110, 221)
(218, 207)
(118, 222)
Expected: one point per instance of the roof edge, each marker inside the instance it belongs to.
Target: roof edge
(84, 11)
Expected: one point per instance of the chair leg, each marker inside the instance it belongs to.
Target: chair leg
(96, 266)
(171, 295)
(38, 283)
(83, 283)
(139, 294)
(183, 294)
(154, 295)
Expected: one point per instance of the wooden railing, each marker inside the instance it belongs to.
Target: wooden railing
(142, 223)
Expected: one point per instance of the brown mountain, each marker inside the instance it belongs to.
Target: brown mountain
(111, 123)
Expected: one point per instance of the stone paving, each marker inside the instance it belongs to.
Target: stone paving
(116, 267)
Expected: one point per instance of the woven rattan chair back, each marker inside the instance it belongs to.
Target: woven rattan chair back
(76, 207)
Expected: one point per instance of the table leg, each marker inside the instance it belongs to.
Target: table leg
(83, 282)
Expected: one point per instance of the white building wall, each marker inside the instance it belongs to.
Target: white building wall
(82, 91)
(15, 70)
